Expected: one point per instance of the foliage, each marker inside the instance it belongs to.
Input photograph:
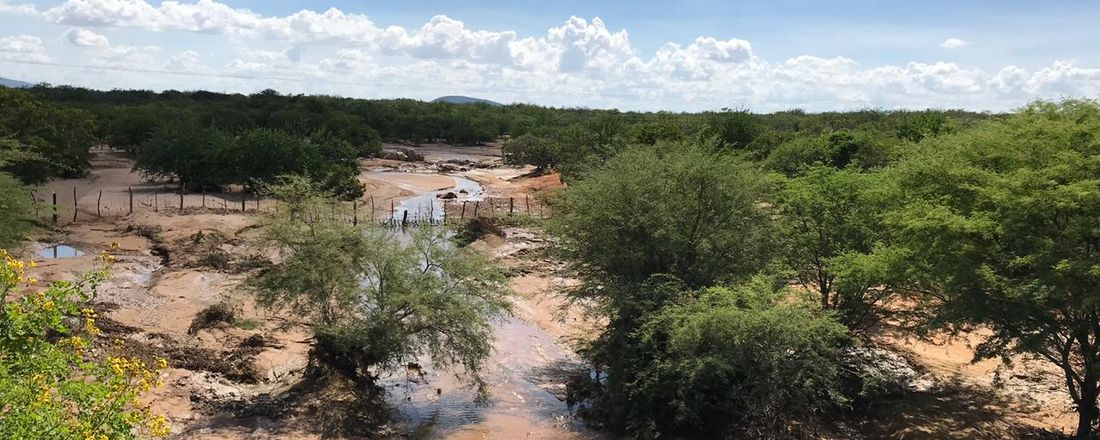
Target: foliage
(673, 208)
(15, 204)
(1002, 229)
(51, 384)
(529, 149)
(829, 221)
(754, 358)
(734, 129)
(374, 302)
(57, 136)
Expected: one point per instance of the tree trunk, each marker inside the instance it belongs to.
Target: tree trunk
(1086, 408)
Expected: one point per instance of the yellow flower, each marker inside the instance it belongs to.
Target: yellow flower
(162, 363)
(48, 306)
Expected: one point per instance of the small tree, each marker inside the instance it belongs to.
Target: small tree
(530, 149)
(829, 222)
(374, 302)
(1002, 227)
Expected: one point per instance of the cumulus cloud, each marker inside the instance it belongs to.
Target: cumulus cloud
(19, 9)
(954, 43)
(582, 61)
(23, 48)
(86, 38)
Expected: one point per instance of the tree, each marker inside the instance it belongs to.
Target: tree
(829, 222)
(674, 208)
(373, 302)
(721, 361)
(734, 129)
(1002, 229)
(529, 149)
(190, 151)
(15, 206)
(650, 224)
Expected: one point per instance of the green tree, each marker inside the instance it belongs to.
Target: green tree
(650, 224)
(829, 222)
(189, 151)
(673, 208)
(1002, 226)
(375, 303)
(735, 129)
(734, 361)
(15, 204)
(529, 149)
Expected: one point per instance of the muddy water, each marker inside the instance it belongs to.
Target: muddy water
(525, 372)
(428, 204)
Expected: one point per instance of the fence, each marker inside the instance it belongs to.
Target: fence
(62, 209)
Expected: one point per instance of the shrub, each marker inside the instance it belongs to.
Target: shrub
(51, 385)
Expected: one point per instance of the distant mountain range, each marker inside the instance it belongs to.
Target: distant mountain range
(14, 83)
(454, 99)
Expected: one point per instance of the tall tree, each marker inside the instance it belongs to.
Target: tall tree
(1003, 230)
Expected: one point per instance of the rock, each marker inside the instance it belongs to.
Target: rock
(881, 371)
(403, 154)
(462, 191)
(449, 196)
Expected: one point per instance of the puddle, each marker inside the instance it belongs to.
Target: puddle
(60, 251)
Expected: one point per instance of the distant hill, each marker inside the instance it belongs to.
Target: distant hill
(466, 100)
(14, 83)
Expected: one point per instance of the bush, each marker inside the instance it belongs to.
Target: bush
(51, 384)
(723, 361)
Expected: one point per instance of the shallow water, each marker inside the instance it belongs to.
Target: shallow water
(526, 365)
(60, 251)
(428, 205)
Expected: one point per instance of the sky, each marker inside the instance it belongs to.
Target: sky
(689, 55)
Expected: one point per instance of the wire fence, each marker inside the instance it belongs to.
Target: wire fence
(88, 204)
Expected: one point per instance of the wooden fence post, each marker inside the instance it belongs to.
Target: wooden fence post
(477, 203)
(527, 202)
(511, 205)
(463, 214)
(392, 210)
(372, 208)
(204, 198)
(181, 199)
(98, 200)
(156, 202)
(405, 218)
(131, 190)
(355, 212)
(244, 197)
(55, 207)
(34, 201)
(76, 208)
(444, 212)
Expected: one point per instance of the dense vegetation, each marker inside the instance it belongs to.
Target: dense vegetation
(737, 258)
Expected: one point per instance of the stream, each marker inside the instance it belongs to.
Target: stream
(525, 372)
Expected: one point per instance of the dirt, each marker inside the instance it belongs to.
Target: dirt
(233, 380)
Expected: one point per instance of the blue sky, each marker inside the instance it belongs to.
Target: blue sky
(645, 55)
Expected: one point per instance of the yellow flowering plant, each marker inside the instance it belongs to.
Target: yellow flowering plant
(52, 386)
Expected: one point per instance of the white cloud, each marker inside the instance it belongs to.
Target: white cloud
(86, 38)
(954, 43)
(27, 48)
(19, 9)
(580, 62)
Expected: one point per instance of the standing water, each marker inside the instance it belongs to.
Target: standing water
(60, 251)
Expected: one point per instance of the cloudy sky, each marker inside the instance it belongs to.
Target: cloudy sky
(627, 54)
